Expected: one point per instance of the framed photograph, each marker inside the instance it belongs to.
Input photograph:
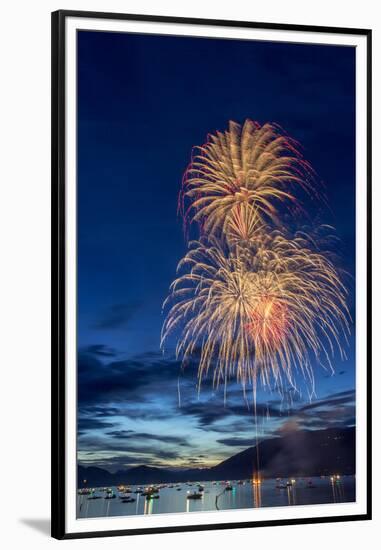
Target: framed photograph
(211, 274)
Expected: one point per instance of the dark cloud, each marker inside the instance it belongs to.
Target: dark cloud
(116, 316)
(337, 410)
(237, 441)
(100, 350)
(122, 381)
(85, 424)
(131, 434)
(193, 461)
(113, 392)
(99, 411)
(128, 448)
(333, 400)
(209, 415)
(346, 393)
(137, 382)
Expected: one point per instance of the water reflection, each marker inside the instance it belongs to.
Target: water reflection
(219, 495)
(148, 506)
(291, 495)
(337, 489)
(257, 493)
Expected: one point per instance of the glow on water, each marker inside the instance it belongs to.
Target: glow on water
(243, 494)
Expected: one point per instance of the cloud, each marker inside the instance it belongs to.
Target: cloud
(333, 400)
(127, 448)
(121, 399)
(85, 424)
(131, 434)
(124, 380)
(237, 441)
(99, 411)
(337, 410)
(100, 350)
(116, 316)
(208, 416)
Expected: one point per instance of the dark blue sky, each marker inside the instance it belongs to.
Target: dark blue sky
(143, 102)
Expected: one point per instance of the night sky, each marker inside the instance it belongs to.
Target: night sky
(143, 102)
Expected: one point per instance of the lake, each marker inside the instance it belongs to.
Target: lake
(243, 494)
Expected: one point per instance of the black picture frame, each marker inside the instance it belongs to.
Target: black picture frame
(58, 529)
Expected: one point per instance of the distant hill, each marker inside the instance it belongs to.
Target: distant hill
(300, 453)
(319, 452)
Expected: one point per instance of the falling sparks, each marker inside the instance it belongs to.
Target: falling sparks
(259, 318)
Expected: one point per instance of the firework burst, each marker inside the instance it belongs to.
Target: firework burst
(249, 301)
(260, 316)
(251, 167)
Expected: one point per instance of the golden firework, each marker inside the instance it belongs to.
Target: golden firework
(249, 301)
(262, 313)
(251, 167)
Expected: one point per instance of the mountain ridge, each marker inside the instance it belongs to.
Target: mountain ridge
(298, 453)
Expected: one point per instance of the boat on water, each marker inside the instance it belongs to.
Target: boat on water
(279, 484)
(127, 500)
(85, 491)
(335, 478)
(194, 496)
(151, 490)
